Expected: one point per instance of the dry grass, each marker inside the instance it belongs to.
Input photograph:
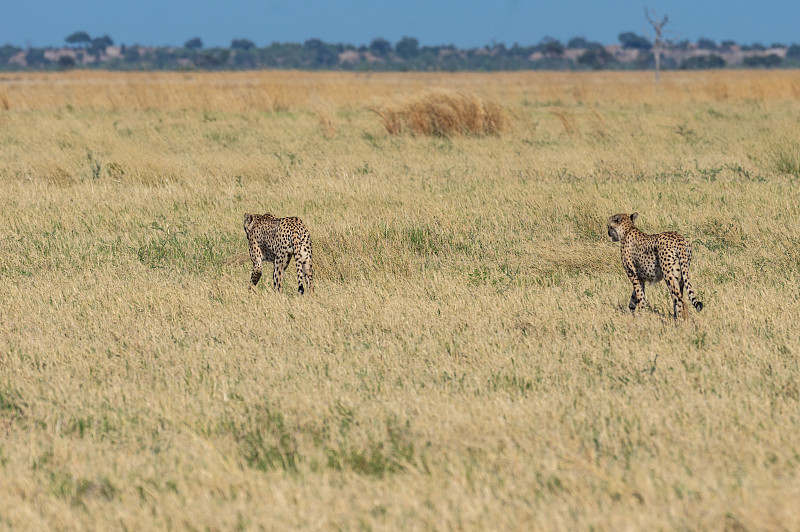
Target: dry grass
(327, 123)
(443, 113)
(466, 361)
(271, 91)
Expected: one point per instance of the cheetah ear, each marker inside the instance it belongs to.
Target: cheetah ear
(616, 218)
(634, 216)
(248, 221)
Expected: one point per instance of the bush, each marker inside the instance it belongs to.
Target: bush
(703, 62)
(407, 48)
(577, 42)
(631, 40)
(242, 44)
(380, 47)
(706, 44)
(195, 43)
(65, 62)
(596, 58)
(762, 61)
(7, 52)
(552, 47)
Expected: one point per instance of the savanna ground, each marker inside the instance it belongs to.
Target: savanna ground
(467, 360)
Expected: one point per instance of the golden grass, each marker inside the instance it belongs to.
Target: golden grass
(443, 113)
(275, 91)
(466, 361)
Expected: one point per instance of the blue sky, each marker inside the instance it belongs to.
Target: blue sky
(465, 23)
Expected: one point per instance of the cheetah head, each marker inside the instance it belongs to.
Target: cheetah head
(248, 223)
(252, 220)
(619, 224)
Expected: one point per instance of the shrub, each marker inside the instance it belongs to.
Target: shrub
(242, 44)
(706, 44)
(631, 40)
(195, 43)
(762, 61)
(703, 62)
(596, 57)
(66, 62)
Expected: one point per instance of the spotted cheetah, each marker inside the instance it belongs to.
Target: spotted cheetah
(277, 240)
(650, 258)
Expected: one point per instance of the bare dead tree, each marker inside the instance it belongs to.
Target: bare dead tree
(658, 40)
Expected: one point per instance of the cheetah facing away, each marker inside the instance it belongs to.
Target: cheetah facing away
(277, 240)
(650, 258)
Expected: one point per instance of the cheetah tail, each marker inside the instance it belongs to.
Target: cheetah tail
(296, 243)
(696, 303)
(692, 295)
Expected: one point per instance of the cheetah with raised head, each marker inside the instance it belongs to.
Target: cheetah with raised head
(277, 240)
(650, 258)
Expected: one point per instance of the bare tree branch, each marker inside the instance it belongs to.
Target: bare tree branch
(658, 41)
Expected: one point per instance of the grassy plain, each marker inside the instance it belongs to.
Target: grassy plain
(467, 360)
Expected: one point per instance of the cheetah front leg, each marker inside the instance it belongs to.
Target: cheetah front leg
(281, 262)
(256, 275)
(637, 296)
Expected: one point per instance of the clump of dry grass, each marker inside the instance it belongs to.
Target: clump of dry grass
(53, 172)
(784, 157)
(327, 123)
(443, 113)
(564, 120)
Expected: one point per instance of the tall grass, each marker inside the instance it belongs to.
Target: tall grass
(467, 360)
(276, 91)
(784, 156)
(443, 113)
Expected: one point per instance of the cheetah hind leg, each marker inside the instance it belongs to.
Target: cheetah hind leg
(678, 304)
(303, 261)
(277, 273)
(307, 275)
(299, 263)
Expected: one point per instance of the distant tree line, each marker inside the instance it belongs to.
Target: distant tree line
(631, 52)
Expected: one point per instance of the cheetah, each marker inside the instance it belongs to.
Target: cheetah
(277, 240)
(650, 258)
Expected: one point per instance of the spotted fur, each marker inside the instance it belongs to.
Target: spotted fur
(651, 258)
(277, 240)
